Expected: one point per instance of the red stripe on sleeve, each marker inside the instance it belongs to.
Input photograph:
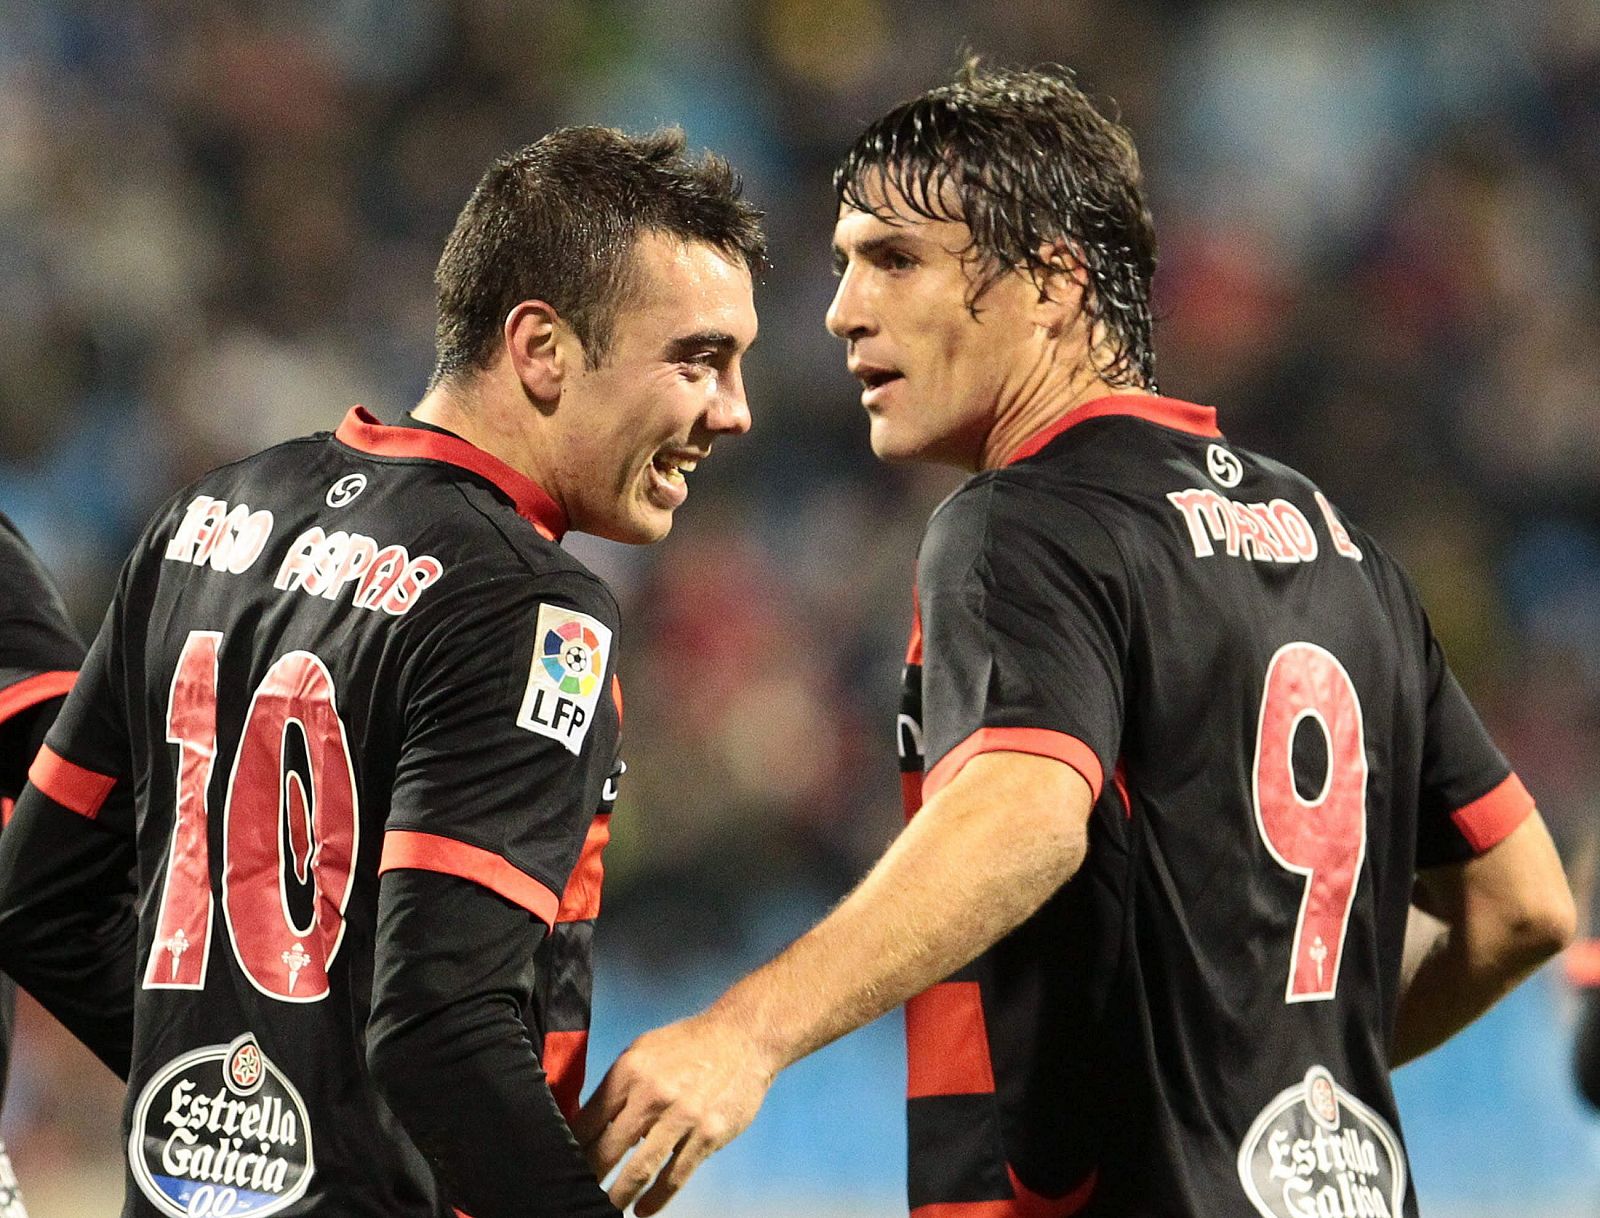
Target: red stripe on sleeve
(405, 848)
(564, 1055)
(1488, 820)
(581, 900)
(947, 1042)
(72, 786)
(1582, 964)
(1038, 741)
(27, 694)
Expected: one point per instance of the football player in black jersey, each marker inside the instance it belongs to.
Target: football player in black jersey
(39, 657)
(1179, 749)
(354, 712)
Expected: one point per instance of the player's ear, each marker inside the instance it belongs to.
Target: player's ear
(535, 346)
(1062, 282)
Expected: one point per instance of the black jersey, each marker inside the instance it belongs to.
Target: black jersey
(39, 653)
(39, 657)
(351, 654)
(1199, 1022)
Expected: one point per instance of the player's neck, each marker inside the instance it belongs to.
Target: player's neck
(472, 411)
(1028, 415)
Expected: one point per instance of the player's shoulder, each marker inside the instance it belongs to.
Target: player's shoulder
(1022, 515)
(509, 550)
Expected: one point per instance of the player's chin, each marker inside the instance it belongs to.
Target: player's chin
(894, 443)
(641, 525)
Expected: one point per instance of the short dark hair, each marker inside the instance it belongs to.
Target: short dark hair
(1023, 158)
(558, 221)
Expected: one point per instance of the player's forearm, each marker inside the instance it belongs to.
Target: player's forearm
(978, 860)
(1456, 982)
(67, 926)
(469, 1090)
(1500, 916)
(447, 1048)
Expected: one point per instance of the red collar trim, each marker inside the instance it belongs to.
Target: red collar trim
(364, 433)
(1168, 412)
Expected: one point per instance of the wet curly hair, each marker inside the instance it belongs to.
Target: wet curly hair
(1024, 159)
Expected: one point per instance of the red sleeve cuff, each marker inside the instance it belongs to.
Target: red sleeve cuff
(404, 848)
(1582, 964)
(28, 693)
(72, 786)
(1038, 741)
(1488, 820)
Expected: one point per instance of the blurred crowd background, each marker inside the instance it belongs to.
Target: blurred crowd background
(1380, 232)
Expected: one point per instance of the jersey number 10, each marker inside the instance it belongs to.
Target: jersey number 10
(266, 814)
(1323, 839)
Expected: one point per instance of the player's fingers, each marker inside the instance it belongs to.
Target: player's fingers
(693, 1151)
(602, 1108)
(606, 1151)
(644, 1163)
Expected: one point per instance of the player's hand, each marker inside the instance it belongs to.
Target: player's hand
(675, 1096)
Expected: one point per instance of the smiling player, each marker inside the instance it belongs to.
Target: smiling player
(354, 711)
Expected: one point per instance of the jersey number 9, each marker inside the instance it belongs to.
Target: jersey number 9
(1323, 839)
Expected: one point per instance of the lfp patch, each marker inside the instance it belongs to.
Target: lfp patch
(570, 651)
(221, 1131)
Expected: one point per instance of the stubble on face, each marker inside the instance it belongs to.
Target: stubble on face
(669, 385)
(936, 359)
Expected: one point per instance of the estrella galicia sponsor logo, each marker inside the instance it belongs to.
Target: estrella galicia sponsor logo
(221, 1132)
(1318, 1152)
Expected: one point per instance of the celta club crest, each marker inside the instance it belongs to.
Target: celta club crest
(175, 947)
(245, 1068)
(295, 959)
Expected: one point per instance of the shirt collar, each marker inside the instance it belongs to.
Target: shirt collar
(1167, 412)
(362, 432)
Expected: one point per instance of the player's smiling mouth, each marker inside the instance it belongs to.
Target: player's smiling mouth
(673, 466)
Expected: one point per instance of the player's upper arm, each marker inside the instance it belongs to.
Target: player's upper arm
(1024, 607)
(510, 732)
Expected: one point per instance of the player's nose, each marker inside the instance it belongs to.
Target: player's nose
(730, 410)
(847, 317)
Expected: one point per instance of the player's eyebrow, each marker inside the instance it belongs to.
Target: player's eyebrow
(869, 247)
(687, 345)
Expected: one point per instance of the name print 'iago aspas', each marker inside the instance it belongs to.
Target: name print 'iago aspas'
(231, 538)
